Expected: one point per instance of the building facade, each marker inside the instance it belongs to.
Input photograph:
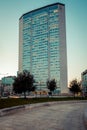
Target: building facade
(84, 81)
(7, 84)
(42, 45)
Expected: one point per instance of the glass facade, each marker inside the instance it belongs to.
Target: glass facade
(84, 81)
(41, 43)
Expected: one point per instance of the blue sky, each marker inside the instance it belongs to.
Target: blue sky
(76, 33)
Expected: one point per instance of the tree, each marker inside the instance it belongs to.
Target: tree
(51, 85)
(75, 86)
(24, 82)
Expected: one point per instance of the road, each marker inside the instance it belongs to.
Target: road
(67, 116)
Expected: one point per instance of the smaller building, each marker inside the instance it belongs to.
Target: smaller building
(0, 88)
(84, 81)
(7, 84)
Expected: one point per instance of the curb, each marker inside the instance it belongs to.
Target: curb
(15, 109)
(11, 110)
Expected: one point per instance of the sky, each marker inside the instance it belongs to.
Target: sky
(76, 34)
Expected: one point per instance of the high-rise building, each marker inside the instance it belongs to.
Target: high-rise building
(84, 81)
(42, 45)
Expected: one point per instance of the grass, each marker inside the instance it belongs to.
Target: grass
(9, 102)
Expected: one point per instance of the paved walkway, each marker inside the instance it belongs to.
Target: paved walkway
(67, 116)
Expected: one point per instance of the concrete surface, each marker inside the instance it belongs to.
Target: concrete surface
(85, 117)
(47, 116)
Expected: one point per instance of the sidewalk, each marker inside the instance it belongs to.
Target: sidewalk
(65, 115)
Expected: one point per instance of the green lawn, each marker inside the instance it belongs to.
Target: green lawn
(9, 102)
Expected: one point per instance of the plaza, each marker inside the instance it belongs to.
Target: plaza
(60, 116)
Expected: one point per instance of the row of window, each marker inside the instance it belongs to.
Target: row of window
(41, 33)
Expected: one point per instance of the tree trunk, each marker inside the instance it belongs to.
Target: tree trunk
(25, 95)
(74, 95)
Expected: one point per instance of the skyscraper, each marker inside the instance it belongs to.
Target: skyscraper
(84, 82)
(42, 45)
